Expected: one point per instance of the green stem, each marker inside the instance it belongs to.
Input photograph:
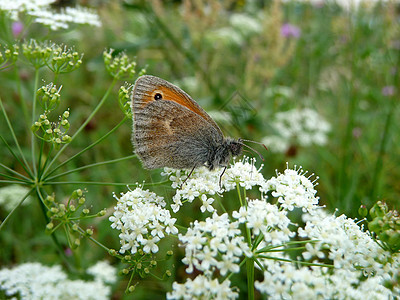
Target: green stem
(15, 181)
(268, 249)
(22, 99)
(40, 169)
(295, 261)
(15, 173)
(91, 165)
(25, 164)
(82, 126)
(86, 149)
(15, 208)
(35, 88)
(53, 236)
(250, 278)
(18, 180)
(89, 183)
(239, 194)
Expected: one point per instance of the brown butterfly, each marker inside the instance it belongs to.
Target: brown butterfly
(172, 130)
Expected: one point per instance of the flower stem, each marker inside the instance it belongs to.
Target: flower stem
(83, 125)
(25, 164)
(35, 88)
(86, 149)
(90, 166)
(250, 278)
(15, 208)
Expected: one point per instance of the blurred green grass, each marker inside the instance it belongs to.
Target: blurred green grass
(339, 65)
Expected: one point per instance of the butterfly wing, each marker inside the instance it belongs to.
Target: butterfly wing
(147, 87)
(170, 128)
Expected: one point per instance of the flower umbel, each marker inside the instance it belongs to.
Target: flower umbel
(119, 66)
(35, 281)
(52, 132)
(260, 233)
(304, 127)
(142, 220)
(8, 56)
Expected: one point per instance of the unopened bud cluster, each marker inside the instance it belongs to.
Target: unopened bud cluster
(8, 56)
(52, 132)
(124, 99)
(64, 60)
(386, 225)
(69, 213)
(58, 58)
(120, 66)
(64, 211)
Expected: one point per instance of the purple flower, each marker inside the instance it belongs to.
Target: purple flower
(388, 90)
(17, 28)
(289, 30)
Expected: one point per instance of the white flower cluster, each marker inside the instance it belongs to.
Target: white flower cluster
(243, 173)
(304, 127)
(267, 219)
(31, 281)
(201, 181)
(210, 245)
(348, 246)
(215, 243)
(142, 220)
(41, 10)
(293, 189)
(12, 195)
(202, 287)
(344, 261)
(204, 182)
(348, 5)
(283, 280)
(361, 267)
(104, 272)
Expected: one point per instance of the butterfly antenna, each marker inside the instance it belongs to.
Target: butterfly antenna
(250, 141)
(254, 150)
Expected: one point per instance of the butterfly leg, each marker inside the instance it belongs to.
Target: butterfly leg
(220, 178)
(188, 176)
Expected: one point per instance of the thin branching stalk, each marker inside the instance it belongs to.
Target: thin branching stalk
(95, 110)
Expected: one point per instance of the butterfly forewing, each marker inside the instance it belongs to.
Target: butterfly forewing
(150, 88)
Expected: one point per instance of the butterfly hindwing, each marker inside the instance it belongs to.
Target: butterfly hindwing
(166, 133)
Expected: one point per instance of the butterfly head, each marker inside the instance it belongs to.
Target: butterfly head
(235, 147)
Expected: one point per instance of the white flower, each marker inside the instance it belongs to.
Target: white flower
(207, 204)
(213, 243)
(202, 287)
(44, 14)
(35, 281)
(293, 189)
(245, 24)
(104, 272)
(276, 143)
(150, 244)
(224, 36)
(313, 249)
(201, 182)
(142, 220)
(304, 127)
(12, 195)
(263, 217)
(204, 182)
(243, 173)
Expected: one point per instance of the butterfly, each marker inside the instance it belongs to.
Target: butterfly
(172, 130)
